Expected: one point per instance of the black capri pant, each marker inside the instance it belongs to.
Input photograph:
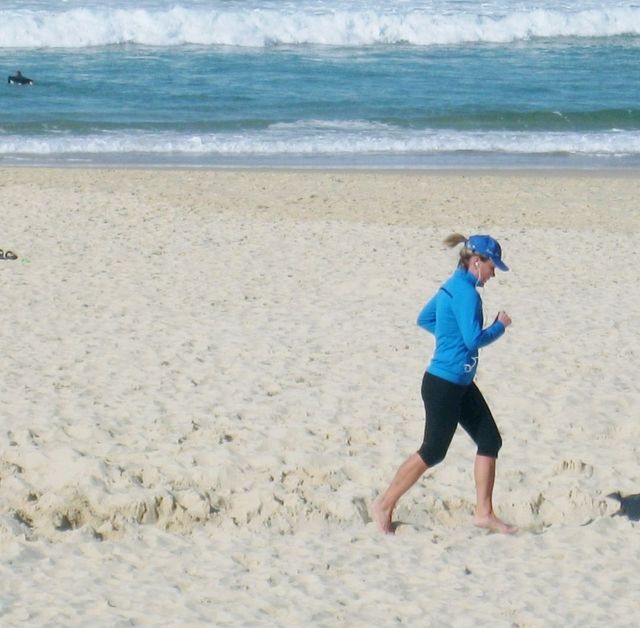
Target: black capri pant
(447, 404)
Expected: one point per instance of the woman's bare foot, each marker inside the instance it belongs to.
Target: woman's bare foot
(382, 516)
(491, 522)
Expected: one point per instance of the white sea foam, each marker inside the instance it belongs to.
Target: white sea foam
(304, 139)
(287, 24)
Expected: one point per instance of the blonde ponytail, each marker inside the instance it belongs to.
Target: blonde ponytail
(465, 253)
(454, 239)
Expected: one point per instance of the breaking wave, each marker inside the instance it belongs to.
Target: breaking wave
(268, 25)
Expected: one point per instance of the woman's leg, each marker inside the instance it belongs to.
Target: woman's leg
(406, 476)
(478, 422)
(485, 474)
(442, 409)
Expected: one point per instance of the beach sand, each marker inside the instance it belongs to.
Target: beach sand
(207, 376)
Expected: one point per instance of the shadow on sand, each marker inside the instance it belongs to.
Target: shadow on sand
(629, 506)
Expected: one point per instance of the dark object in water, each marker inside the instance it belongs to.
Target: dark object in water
(19, 79)
(629, 505)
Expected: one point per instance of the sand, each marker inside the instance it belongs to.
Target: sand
(208, 375)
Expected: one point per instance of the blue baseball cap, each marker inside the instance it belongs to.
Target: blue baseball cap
(487, 247)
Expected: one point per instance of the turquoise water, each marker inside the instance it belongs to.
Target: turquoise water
(420, 84)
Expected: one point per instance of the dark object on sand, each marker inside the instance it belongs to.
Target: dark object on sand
(629, 505)
(7, 255)
(19, 79)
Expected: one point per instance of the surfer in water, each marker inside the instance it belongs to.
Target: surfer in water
(19, 79)
(454, 316)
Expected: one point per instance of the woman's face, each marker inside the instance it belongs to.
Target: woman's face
(485, 270)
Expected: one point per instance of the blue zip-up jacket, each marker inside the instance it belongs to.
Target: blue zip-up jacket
(454, 317)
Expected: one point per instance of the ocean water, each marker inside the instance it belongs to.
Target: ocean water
(317, 83)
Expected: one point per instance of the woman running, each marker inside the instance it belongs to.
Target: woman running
(454, 317)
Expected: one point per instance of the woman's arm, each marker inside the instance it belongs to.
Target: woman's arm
(467, 309)
(427, 317)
